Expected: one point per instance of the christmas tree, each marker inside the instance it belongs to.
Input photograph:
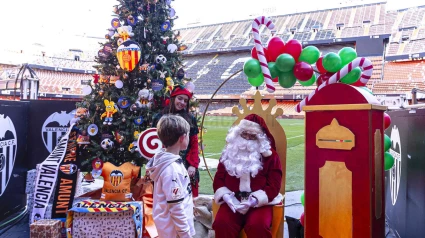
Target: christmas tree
(138, 65)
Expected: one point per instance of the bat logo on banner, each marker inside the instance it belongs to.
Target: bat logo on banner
(54, 127)
(8, 148)
(116, 177)
(395, 172)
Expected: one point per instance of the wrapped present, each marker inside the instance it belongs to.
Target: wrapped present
(94, 218)
(30, 183)
(46, 228)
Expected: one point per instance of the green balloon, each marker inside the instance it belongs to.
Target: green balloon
(387, 143)
(347, 54)
(388, 161)
(308, 82)
(274, 72)
(287, 79)
(285, 63)
(309, 54)
(257, 81)
(302, 199)
(252, 68)
(352, 76)
(332, 62)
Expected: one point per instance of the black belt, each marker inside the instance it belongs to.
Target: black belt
(243, 194)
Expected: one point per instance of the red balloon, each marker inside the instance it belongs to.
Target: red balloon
(294, 48)
(303, 71)
(323, 78)
(275, 47)
(319, 65)
(302, 219)
(387, 120)
(255, 56)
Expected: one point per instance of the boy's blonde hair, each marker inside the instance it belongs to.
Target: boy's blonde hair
(170, 128)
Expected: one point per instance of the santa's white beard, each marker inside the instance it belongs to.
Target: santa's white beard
(242, 156)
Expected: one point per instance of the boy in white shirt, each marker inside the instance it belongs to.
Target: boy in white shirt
(172, 194)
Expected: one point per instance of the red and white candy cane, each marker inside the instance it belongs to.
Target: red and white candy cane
(363, 63)
(260, 50)
(149, 143)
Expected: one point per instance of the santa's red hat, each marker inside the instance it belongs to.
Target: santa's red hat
(180, 90)
(256, 124)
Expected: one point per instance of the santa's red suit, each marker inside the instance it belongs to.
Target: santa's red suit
(263, 183)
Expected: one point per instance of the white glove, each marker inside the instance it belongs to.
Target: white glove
(228, 199)
(191, 171)
(244, 206)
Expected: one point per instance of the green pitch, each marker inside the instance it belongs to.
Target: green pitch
(214, 141)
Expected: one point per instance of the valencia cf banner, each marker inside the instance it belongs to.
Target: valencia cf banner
(67, 178)
(48, 175)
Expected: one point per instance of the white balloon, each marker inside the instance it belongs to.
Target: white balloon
(119, 84)
(172, 48)
(172, 12)
(87, 90)
(190, 87)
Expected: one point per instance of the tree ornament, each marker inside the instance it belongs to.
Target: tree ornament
(83, 138)
(160, 59)
(92, 129)
(96, 78)
(172, 48)
(115, 23)
(170, 85)
(162, 74)
(119, 84)
(131, 20)
(165, 26)
(138, 120)
(124, 32)
(123, 102)
(128, 54)
(148, 143)
(110, 111)
(107, 144)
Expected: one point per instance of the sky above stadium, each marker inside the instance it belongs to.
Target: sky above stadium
(64, 24)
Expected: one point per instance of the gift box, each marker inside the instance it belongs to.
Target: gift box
(30, 182)
(46, 228)
(105, 224)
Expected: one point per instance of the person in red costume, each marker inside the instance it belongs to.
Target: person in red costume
(247, 181)
(179, 105)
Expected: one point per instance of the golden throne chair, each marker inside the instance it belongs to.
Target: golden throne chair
(280, 138)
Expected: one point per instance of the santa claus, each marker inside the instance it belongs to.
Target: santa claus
(247, 181)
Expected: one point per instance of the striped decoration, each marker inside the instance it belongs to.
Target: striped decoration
(363, 63)
(260, 50)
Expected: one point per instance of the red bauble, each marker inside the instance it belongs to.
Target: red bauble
(255, 56)
(323, 78)
(302, 219)
(319, 65)
(275, 47)
(303, 71)
(387, 121)
(294, 48)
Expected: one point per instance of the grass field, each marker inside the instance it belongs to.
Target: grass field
(214, 141)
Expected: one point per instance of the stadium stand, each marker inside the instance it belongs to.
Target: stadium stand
(216, 51)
